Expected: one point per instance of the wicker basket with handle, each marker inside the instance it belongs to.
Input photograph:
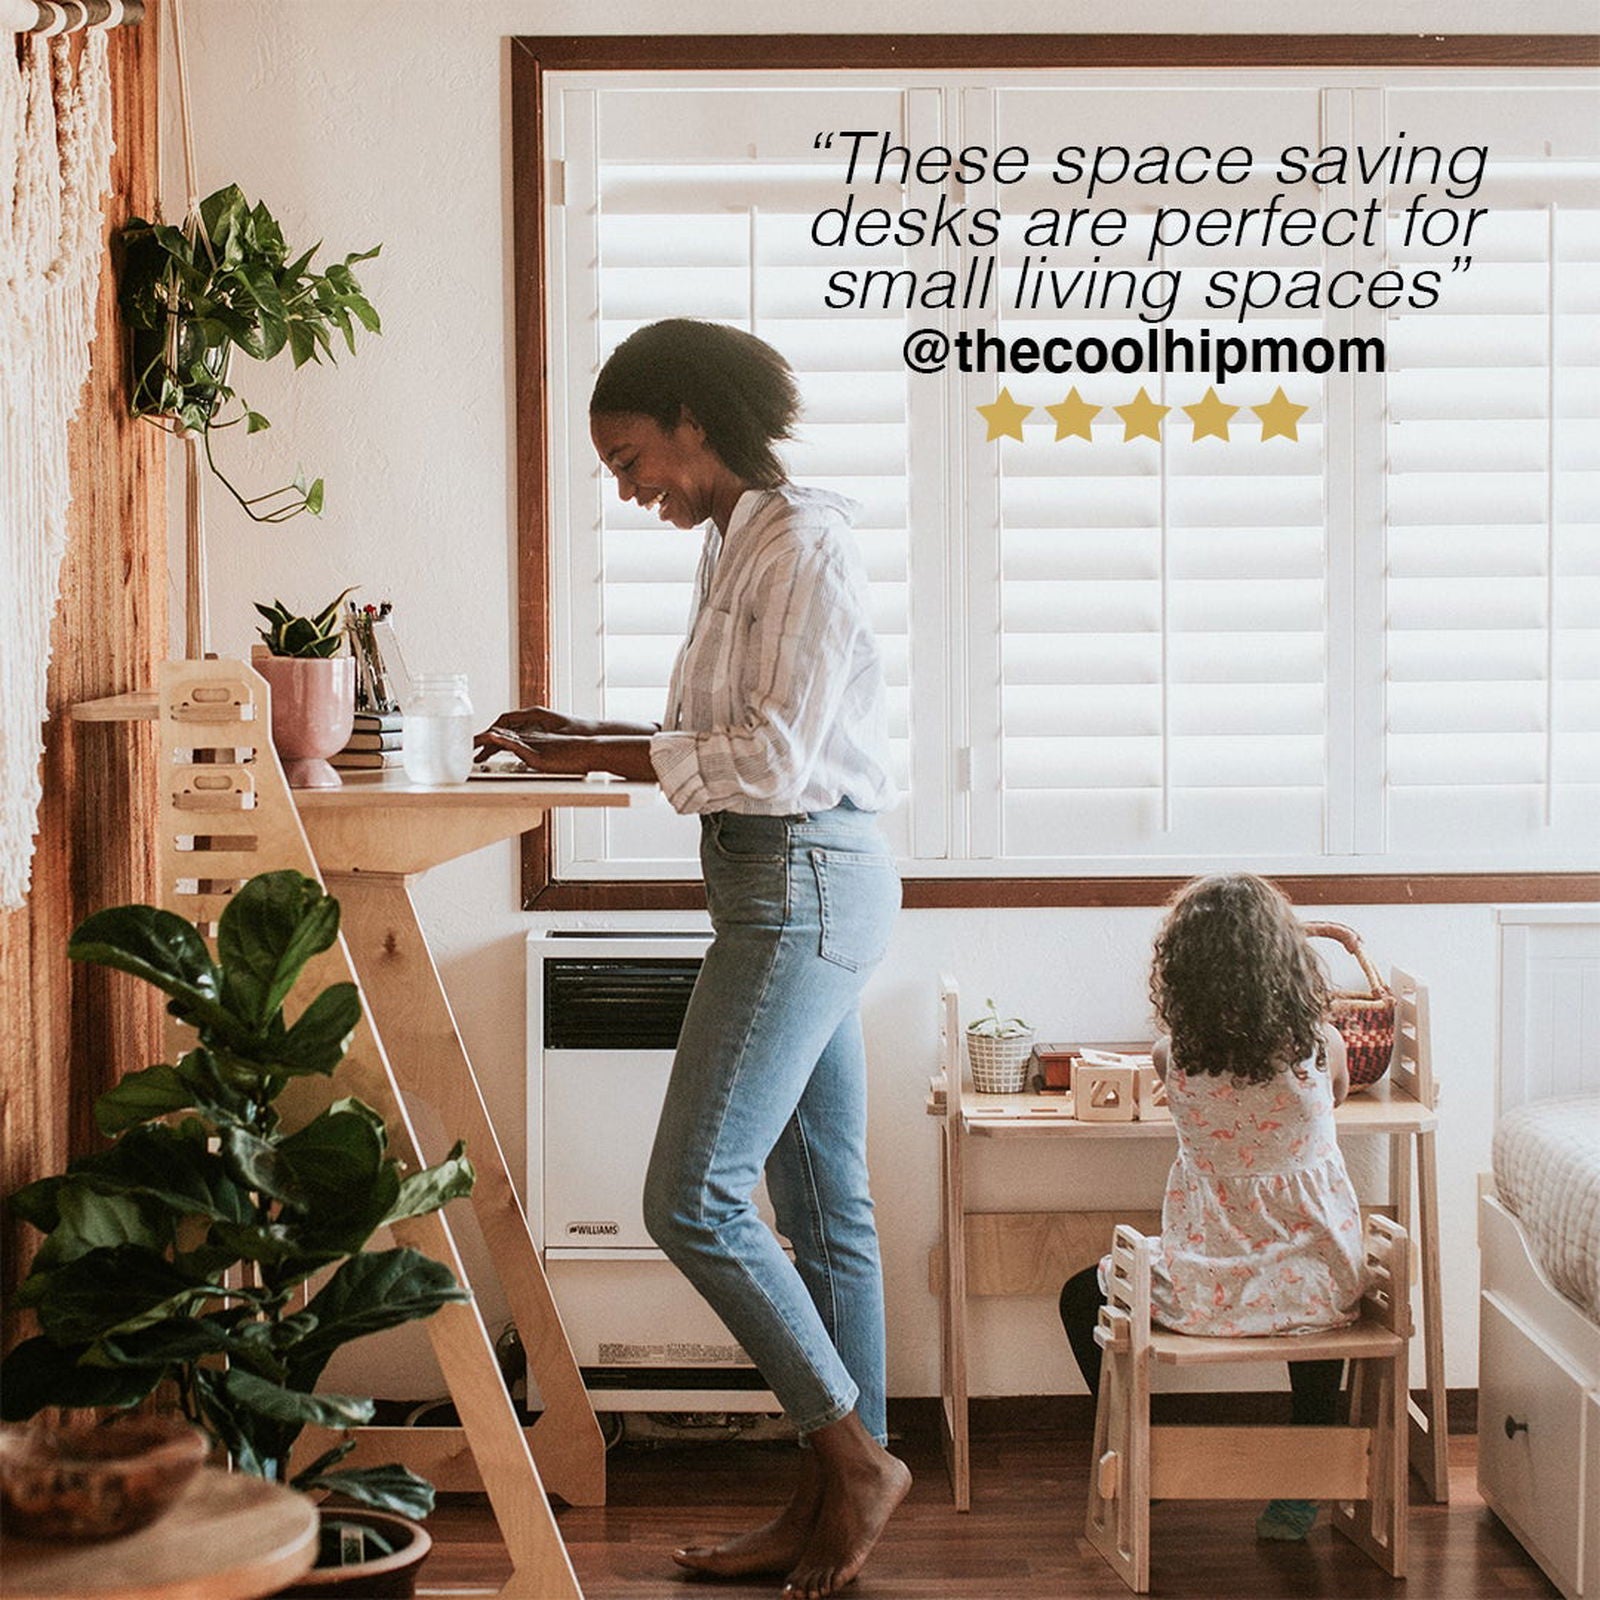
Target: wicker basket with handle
(1365, 1021)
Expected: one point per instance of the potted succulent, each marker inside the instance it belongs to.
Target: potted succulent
(224, 283)
(998, 1049)
(175, 1255)
(313, 690)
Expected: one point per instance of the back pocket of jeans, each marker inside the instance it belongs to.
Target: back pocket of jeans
(859, 896)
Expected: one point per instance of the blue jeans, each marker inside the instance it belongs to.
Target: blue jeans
(770, 1070)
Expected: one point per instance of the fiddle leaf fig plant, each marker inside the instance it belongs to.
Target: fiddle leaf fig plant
(177, 1252)
(224, 282)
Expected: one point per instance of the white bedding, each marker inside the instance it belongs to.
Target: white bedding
(1547, 1170)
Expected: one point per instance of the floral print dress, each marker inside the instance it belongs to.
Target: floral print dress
(1260, 1227)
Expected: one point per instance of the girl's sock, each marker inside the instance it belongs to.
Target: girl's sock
(1286, 1519)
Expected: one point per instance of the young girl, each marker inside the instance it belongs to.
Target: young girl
(1260, 1228)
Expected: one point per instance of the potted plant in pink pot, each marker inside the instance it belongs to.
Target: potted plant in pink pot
(313, 690)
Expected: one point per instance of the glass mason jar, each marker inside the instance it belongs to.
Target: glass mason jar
(436, 736)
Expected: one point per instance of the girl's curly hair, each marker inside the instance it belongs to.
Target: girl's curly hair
(736, 386)
(1235, 982)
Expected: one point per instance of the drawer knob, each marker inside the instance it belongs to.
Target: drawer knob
(1513, 1427)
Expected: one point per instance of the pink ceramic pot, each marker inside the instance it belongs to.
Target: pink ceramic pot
(313, 711)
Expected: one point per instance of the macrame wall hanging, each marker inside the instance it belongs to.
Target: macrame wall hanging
(55, 159)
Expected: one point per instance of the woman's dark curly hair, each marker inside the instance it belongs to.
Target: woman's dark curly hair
(736, 386)
(1235, 982)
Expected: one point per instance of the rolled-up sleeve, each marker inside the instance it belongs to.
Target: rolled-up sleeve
(790, 668)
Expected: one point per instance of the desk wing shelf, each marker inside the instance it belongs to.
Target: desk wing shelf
(1385, 1108)
(141, 706)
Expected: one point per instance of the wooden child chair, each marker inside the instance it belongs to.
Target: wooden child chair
(1362, 1465)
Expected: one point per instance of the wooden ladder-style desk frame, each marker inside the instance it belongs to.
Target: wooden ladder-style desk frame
(226, 813)
(1034, 1252)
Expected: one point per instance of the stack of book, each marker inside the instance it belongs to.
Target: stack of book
(374, 743)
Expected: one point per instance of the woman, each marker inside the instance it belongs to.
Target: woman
(775, 735)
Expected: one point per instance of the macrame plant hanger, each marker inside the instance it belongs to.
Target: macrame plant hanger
(196, 585)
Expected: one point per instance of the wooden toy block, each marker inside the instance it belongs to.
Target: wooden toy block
(1104, 1094)
(1151, 1097)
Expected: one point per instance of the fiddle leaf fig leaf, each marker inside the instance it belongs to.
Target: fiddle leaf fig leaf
(368, 1293)
(223, 1091)
(253, 1446)
(90, 1221)
(322, 1032)
(258, 1164)
(116, 1290)
(345, 1184)
(163, 949)
(426, 1191)
(268, 931)
(142, 1097)
(169, 1165)
(166, 1343)
(39, 1373)
(280, 1404)
(329, 1458)
(389, 1488)
(36, 1203)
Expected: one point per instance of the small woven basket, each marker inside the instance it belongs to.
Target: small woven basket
(1365, 1021)
(1000, 1064)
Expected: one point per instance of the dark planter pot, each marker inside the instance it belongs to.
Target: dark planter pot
(391, 1577)
(150, 356)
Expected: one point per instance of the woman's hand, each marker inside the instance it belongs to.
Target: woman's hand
(541, 719)
(537, 750)
(627, 755)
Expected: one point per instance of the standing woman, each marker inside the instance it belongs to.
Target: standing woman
(775, 735)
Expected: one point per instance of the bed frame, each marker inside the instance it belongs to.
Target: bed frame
(1538, 1354)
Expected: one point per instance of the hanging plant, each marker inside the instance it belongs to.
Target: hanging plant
(224, 282)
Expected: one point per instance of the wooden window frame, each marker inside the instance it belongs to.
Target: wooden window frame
(532, 57)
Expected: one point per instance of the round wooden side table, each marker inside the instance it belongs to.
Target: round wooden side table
(229, 1537)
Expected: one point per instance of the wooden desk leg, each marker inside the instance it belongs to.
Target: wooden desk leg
(953, 1319)
(542, 1569)
(1430, 1431)
(413, 1015)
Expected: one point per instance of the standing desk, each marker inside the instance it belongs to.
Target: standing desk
(1034, 1252)
(225, 814)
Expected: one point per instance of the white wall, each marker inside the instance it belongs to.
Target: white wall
(361, 121)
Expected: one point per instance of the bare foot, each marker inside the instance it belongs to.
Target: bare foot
(858, 1498)
(773, 1547)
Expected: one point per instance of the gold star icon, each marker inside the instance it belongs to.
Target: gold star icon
(1210, 417)
(1280, 416)
(1141, 417)
(1004, 417)
(1073, 417)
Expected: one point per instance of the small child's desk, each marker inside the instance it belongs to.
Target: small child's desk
(1034, 1252)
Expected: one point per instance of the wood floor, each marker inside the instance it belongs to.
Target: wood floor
(1023, 1537)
